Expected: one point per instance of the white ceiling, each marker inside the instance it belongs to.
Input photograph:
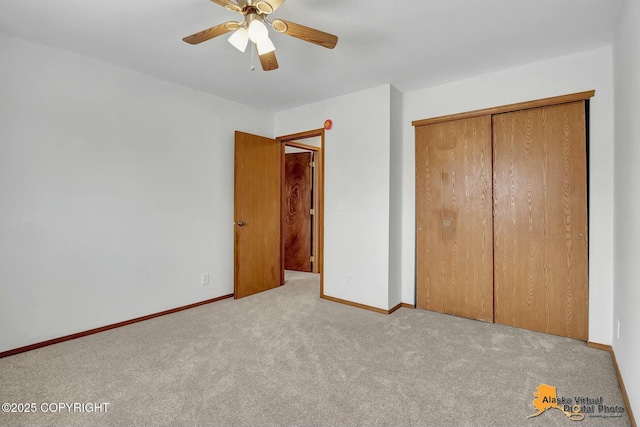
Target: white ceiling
(411, 44)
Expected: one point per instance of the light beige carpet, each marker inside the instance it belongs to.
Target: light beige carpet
(285, 357)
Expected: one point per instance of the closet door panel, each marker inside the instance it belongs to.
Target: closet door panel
(540, 220)
(454, 232)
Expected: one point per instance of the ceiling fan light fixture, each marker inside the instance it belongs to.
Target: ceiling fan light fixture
(240, 39)
(254, 28)
(265, 46)
(258, 31)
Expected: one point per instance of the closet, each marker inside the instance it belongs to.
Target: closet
(501, 215)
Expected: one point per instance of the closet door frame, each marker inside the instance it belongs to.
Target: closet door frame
(544, 102)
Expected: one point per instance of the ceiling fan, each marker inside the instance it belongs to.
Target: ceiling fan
(252, 28)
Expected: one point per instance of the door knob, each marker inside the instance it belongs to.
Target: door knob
(240, 223)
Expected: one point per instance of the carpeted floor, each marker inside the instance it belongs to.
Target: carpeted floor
(286, 357)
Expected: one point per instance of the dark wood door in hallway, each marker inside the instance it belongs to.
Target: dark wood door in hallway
(297, 211)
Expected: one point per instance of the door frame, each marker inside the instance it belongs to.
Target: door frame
(292, 140)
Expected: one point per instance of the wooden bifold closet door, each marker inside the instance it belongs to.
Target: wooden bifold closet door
(501, 217)
(453, 218)
(540, 220)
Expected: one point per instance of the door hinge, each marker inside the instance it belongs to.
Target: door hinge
(312, 259)
(312, 164)
(312, 211)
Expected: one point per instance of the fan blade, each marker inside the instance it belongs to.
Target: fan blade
(305, 33)
(268, 6)
(212, 32)
(229, 5)
(269, 61)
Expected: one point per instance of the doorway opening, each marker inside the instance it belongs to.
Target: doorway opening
(302, 203)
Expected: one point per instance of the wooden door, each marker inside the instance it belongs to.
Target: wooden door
(297, 212)
(540, 209)
(257, 214)
(454, 233)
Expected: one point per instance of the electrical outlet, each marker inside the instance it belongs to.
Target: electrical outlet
(204, 279)
(618, 329)
(348, 280)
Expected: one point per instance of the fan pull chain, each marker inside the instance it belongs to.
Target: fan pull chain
(252, 67)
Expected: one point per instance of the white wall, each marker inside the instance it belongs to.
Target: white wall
(559, 76)
(356, 191)
(116, 192)
(627, 199)
(395, 200)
